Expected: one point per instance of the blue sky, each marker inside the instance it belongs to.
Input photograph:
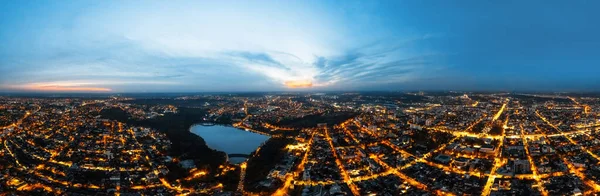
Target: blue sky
(194, 46)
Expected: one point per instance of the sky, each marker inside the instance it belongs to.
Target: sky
(217, 46)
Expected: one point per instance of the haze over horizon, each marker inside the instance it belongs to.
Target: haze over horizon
(200, 46)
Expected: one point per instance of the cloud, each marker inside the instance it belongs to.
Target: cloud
(381, 62)
(299, 84)
(58, 86)
(196, 46)
(258, 58)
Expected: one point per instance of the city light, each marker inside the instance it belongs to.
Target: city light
(432, 148)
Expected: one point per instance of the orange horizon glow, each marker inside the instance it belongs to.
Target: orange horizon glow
(67, 88)
(61, 88)
(298, 84)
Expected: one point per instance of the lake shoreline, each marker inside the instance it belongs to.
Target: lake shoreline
(229, 139)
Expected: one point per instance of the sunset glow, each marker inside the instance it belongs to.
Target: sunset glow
(66, 88)
(61, 88)
(299, 84)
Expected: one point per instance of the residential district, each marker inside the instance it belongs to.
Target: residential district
(376, 143)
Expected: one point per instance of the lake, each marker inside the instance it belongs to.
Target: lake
(229, 140)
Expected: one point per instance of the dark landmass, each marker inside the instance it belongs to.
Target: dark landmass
(186, 145)
(496, 129)
(261, 163)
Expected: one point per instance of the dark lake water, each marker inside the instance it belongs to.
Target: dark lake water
(229, 139)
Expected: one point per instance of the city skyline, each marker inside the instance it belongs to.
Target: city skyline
(120, 47)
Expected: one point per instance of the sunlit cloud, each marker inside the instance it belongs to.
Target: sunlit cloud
(67, 89)
(60, 87)
(80, 85)
(299, 84)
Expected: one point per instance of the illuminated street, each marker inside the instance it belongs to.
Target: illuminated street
(299, 98)
(478, 144)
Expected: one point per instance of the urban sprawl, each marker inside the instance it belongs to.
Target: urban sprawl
(374, 143)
